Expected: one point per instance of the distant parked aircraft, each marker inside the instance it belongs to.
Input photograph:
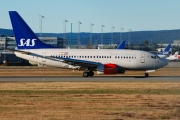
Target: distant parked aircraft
(121, 45)
(174, 57)
(165, 52)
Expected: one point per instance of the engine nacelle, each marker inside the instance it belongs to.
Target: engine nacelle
(107, 69)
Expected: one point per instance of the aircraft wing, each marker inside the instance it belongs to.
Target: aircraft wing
(82, 63)
(74, 62)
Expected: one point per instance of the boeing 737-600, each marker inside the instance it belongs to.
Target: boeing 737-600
(104, 61)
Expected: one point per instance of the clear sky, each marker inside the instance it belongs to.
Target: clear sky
(137, 15)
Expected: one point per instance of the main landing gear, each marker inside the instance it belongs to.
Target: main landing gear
(146, 74)
(88, 73)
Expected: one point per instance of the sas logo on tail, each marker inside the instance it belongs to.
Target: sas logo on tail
(27, 42)
(166, 52)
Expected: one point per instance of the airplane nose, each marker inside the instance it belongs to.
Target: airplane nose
(164, 62)
(161, 63)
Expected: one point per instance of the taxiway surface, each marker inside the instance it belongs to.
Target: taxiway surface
(88, 79)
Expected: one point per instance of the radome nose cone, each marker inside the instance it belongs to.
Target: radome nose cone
(165, 62)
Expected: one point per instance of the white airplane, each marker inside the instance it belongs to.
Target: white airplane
(104, 61)
(176, 56)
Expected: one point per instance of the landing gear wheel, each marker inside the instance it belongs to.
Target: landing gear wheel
(91, 73)
(146, 75)
(122, 71)
(88, 73)
(85, 74)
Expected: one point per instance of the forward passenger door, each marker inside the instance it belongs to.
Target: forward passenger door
(142, 58)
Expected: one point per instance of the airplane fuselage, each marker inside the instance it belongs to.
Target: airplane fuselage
(127, 59)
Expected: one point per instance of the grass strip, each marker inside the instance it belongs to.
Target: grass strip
(96, 91)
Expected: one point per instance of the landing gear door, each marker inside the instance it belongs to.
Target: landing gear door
(43, 58)
(142, 58)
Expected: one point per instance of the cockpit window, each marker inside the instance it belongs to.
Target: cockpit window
(155, 57)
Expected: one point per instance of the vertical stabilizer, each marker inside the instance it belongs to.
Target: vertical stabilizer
(167, 49)
(121, 45)
(25, 37)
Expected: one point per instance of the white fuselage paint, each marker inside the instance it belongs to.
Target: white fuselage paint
(163, 55)
(172, 57)
(128, 59)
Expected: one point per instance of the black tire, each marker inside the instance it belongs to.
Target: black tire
(91, 73)
(85, 74)
(146, 75)
(122, 71)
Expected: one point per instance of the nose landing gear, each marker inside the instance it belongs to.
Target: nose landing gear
(146, 74)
